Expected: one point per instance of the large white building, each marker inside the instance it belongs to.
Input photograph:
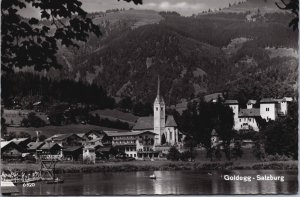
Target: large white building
(269, 109)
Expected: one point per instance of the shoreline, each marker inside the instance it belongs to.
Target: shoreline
(133, 166)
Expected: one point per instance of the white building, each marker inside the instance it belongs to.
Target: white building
(135, 144)
(269, 108)
(248, 119)
(89, 154)
(250, 104)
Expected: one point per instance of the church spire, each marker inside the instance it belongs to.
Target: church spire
(159, 99)
(158, 86)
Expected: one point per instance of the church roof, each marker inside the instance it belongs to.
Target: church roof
(144, 123)
(171, 122)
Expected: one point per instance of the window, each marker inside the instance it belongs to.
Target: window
(156, 108)
(267, 109)
(161, 108)
(240, 120)
(170, 135)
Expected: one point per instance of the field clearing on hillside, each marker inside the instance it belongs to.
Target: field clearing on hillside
(114, 114)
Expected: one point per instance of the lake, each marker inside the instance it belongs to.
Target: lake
(168, 182)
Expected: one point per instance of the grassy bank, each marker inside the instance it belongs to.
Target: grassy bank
(157, 165)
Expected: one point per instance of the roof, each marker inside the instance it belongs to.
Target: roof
(130, 133)
(251, 102)
(171, 122)
(59, 137)
(34, 145)
(18, 140)
(72, 148)
(144, 123)
(287, 99)
(214, 96)
(96, 139)
(104, 149)
(97, 132)
(7, 187)
(269, 100)
(91, 146)
(49, 145)
(80, 134)
(5, 143)
(254, 112)
(229, 102)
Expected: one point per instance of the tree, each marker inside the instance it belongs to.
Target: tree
(259, 151)
(34, 42)
(218, 153)
(173, 154)
(163, 139)
(23, 135)
(281, 135)
(126, 104)
(201, 118)
(33, 120)
(237, 151)
(293, 6)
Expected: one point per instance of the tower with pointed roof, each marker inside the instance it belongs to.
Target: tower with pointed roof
(159, 115)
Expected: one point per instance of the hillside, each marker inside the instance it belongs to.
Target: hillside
(193, 55)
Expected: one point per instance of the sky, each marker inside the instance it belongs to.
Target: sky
(184, 7)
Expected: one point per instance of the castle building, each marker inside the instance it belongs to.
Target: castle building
(269, 109)
(158, 123)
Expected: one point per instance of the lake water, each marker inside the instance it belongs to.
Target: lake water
(167, 182)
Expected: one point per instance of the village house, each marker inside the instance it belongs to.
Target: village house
(72, 153)
(49, 151)
(22, 142)
(89, 154)
(10, 150)
(66, 140)
(32, 147)
(97, 137)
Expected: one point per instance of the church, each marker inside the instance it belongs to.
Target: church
(160, 124)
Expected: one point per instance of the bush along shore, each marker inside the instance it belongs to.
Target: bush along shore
(153, 166)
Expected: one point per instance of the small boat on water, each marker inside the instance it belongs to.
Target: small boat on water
(152, 176)
(55, 181)
(210, 174)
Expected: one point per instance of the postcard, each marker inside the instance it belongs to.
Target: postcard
(149, 97)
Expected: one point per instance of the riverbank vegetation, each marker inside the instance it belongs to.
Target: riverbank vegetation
(157, 165)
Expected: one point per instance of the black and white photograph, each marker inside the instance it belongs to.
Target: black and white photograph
(149, 97)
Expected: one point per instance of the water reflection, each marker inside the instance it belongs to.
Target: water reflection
(167, 182)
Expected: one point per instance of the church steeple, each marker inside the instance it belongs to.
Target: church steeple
(159, 115)
(158, 98)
